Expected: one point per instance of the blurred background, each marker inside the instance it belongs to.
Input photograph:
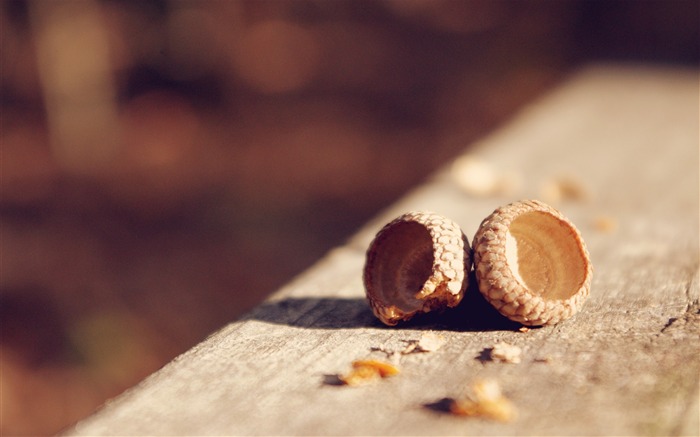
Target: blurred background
(168, 164)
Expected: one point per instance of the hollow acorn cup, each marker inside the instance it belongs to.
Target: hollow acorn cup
(417, 263)
(531, 263)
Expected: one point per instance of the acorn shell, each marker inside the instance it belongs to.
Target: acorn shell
(531, 263)
(417, 263)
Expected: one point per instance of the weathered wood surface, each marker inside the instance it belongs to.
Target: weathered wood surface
(628, 364)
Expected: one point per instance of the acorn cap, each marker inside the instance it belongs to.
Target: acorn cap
(417, 263)
(531, 263)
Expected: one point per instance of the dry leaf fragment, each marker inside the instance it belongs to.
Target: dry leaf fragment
(390, 354)
(605, 224)
(563, 189)
(364, 371)
(479, 178)
(429, 342)
(486, 401)
(475, 176)
(411, 347)
(505, 353)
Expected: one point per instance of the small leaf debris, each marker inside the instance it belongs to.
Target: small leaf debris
(390, 354)
(564, 188)
(605, 224)
(545, 359)
(429, 342)
(479, 178)
(505, 353)
(364, 371)
(485, 400)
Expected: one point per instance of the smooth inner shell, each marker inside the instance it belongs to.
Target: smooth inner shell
(545, 255)
(402, 265)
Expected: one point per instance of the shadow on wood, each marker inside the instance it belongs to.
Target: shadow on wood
(473, 314)
(442, 406)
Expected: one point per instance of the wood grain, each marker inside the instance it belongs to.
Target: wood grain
(628, 364)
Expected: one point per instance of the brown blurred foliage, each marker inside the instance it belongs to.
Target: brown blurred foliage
(167, 164)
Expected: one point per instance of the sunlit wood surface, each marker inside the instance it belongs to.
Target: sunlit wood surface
(624, 140)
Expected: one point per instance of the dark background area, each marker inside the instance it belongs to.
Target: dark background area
(168, 164)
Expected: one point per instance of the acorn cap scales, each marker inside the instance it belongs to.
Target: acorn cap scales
(531, 263)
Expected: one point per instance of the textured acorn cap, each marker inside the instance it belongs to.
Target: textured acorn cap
(531, 263)
(417, 263)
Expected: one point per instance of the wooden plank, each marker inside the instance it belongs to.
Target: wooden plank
(627, 364)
